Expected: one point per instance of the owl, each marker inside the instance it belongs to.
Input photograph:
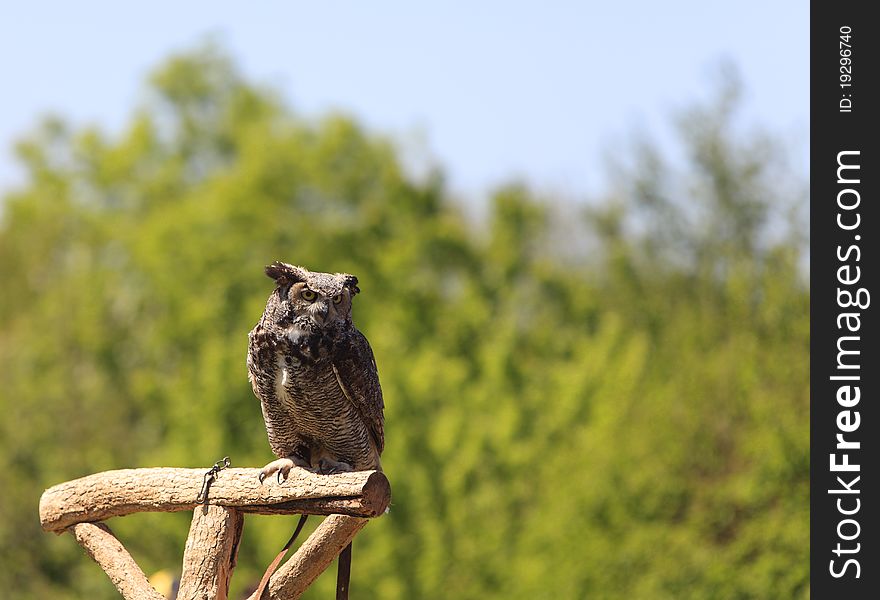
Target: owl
(315, 376)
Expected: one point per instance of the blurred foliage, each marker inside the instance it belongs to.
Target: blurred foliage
(608, 402)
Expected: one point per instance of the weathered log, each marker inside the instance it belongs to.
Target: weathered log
(210, 553)
(162, 489)
(313, 556)
(106, 550)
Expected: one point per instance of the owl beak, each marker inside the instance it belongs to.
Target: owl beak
(320, 312)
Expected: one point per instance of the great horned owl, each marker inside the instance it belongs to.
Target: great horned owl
(315, 376)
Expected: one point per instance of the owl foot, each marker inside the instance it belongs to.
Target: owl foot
(327, 466)
(282, 467)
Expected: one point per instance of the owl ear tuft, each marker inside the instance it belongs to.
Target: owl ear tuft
(350, 282)
(284, 274)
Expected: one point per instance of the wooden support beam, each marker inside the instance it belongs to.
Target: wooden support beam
(313, 556)
(106, 550)
(116, 493)
(210, 553)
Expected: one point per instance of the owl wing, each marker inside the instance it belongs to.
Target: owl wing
(356, 372)
(260, 362)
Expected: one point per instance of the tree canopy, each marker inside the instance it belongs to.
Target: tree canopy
(607, 400)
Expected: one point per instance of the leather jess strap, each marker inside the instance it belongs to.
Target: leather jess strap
(343, 574)
(264, 581)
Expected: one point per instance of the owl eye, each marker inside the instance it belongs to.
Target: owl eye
(337, 298)
(308, 295)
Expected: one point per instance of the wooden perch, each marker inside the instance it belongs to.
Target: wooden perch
(215, 533)
(117, 493)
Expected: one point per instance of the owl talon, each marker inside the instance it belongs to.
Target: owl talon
(331, 467)
(282, 467)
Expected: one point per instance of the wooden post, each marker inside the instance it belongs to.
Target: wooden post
(210, 553)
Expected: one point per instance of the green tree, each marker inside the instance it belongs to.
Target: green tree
(613, 408)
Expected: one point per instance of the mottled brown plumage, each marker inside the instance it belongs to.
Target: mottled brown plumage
(315, 375)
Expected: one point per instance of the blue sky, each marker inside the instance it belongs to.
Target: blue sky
(490, 90)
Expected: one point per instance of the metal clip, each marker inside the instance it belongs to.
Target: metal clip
(210, 476)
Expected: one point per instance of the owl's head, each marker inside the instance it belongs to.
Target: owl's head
(314, 301)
